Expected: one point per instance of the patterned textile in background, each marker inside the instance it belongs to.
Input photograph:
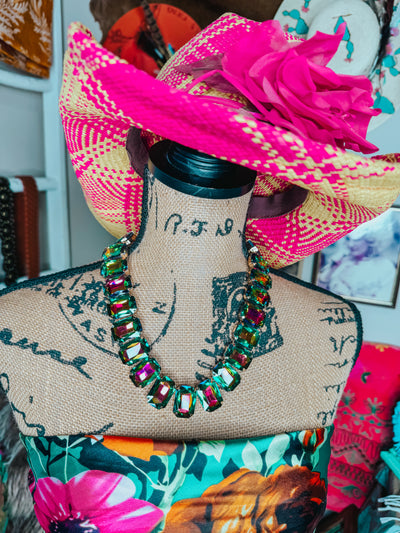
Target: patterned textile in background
(363, 426)
(370, 517)
(122, 484)
(25, 35)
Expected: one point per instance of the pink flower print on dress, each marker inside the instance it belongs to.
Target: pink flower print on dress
(93, 502)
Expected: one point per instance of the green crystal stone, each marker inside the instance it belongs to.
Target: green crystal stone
(256, 260)
(247, 336)
(263, 278)
(185, 401)
(209, 395)
(133, 351)
(120, 305)
(226, 376)
(125, 328)
(114, 251)
(161, 392)
(238, 357)
(257, 295)
(145, 371)
(113, 267)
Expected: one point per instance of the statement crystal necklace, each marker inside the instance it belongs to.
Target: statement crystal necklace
(134, 350)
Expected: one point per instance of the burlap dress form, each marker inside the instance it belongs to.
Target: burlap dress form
(103, 458)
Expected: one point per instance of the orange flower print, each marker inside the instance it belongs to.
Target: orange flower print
(140, 448)
(292, 500)
(313, 438)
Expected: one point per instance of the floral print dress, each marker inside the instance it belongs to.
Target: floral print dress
(109, 484)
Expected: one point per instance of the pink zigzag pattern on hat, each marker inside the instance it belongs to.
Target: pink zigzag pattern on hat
(97, 113)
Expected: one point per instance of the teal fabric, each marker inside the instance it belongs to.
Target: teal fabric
(123, 484)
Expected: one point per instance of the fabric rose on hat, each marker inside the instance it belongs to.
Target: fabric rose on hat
(289, 85)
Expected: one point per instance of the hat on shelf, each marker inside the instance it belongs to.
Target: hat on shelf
(370, 45)
(245, 92)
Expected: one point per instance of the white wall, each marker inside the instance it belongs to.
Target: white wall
(21, 138)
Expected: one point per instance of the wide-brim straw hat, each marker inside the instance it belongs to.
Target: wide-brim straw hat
(103, 98)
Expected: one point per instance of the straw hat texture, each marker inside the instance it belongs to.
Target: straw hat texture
(310, 189)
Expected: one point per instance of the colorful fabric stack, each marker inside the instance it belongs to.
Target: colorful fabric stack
(25, 35)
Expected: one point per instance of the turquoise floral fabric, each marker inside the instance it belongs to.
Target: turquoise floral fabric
(111, 484)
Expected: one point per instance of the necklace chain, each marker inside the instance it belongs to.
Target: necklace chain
(134, 350)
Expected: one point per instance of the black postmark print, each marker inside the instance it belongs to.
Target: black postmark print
(175, 224)
(227, 295)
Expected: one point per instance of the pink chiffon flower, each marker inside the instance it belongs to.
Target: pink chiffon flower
(93, 502)
(289, 85)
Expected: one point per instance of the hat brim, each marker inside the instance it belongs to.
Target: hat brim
(103, 97)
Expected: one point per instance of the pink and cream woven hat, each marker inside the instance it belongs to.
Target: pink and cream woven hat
(242, 91)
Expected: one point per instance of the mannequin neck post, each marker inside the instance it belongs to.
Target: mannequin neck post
(197, 206)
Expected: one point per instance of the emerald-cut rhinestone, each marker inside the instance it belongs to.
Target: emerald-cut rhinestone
(121, 304)
(247, 336)
(238, 357)
(226, 376)
(263, 278)
(259, 262)
(114, 251)
(125, 327)
(161, 392)
(145, 371)
(115, 285)
(113, 267)
(252, 315)
(209, 395)
(185, 401)
(257, 295)
(133, 351)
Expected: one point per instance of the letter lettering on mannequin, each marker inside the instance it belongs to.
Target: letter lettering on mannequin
(175, 223)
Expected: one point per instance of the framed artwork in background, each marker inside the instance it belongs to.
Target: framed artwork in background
(364, 266)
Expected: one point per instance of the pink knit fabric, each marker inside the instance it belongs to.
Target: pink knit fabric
(363, 424)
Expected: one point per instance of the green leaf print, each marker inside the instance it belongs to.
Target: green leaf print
(252, 458)
(212, 448)
(276, 450)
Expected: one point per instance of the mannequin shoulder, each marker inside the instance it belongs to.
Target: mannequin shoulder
(307, 302)
(75, 284)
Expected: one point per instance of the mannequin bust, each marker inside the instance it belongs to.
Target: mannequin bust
(60, 368)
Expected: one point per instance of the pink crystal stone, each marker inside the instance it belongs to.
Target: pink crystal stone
(254, 316)
(123, 329)
(145, 372)
(119, 306)
(115, 285)
(162, 392)
(241, 358)
(210, 396)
